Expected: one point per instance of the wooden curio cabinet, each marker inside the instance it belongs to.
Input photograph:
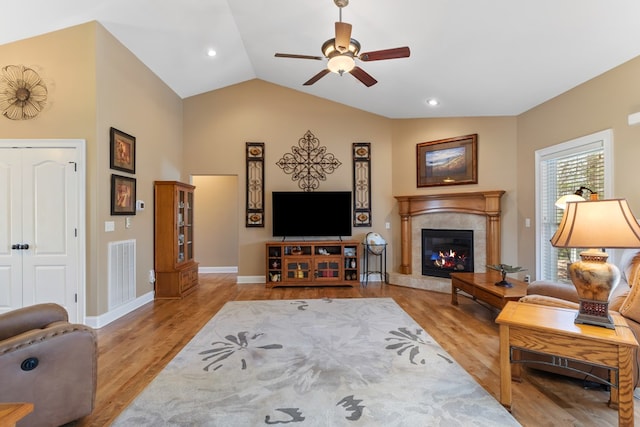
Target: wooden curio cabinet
(176, 269)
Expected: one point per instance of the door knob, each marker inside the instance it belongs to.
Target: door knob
(24, 246)
(15, 246)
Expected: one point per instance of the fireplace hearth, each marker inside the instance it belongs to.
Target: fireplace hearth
(446, 251)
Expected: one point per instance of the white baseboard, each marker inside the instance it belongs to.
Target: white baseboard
(373, 277)
(230, 269)
(251, 279)
(106, 318)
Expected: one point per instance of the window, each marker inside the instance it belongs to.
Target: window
(561, 170)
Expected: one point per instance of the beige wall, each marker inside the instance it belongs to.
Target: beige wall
(134, 100)
(65, 61)
(601, 103)
(217, 125)
(217, 220)
(95, 83)
(496, 168)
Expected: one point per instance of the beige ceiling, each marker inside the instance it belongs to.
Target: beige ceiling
(478, 57)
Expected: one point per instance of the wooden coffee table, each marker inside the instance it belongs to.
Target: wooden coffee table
(482, 287)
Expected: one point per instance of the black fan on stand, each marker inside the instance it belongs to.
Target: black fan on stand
(342, 51)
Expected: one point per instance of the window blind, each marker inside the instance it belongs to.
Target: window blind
(562, 172)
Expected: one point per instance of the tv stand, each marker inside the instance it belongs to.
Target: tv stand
(284, 239)
(313, 263)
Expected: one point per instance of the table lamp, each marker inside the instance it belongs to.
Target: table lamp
(593, 225)
(577, 196)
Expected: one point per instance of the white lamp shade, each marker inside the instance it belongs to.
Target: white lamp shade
(341, 63)
(597, 224)
(561, 203)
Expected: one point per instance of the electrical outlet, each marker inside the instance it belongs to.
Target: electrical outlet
(527, 278)
(152, 276)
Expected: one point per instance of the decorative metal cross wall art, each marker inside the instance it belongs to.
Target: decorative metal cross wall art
(308, 163)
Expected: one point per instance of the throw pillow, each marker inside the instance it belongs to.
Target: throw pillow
(632, 270)
(631, 306)
(618, 297)
(549, 301)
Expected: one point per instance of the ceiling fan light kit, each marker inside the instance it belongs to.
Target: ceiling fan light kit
(342, 51)
(340, 61)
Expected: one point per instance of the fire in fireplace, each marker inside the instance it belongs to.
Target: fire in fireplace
(446, 251)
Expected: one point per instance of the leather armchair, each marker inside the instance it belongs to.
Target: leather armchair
(49, 362)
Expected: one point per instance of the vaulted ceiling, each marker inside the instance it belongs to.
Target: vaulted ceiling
(477, 57)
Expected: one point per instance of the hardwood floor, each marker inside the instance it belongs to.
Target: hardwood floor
(135, 348)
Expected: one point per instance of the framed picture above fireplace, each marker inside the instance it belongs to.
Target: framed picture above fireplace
(451, 161)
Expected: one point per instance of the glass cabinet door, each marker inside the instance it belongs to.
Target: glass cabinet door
(181, 227)
(328, 268)
(298, 269)
(189, 225)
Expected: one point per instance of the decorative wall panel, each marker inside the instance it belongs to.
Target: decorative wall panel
(255, 184)
(362, 184)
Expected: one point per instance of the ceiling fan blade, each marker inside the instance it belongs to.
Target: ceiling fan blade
(317, 77)
(289, 55)
(377, 55)
(363, 76)
(343, 36)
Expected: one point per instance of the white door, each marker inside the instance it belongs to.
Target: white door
(10, 224)
(39, 258)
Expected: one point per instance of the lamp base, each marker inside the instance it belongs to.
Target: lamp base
(594, 279)
(595, 313)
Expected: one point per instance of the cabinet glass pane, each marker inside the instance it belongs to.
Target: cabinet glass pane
(298, 270)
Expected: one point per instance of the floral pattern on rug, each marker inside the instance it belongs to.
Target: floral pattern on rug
(234, 345)
(322, 362)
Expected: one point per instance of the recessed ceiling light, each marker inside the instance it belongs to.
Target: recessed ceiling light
(211, 52)
(432, 102)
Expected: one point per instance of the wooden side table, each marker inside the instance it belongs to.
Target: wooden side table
(551, 330)
(11, 413)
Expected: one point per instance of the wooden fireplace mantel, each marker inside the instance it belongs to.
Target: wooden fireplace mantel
(485, 203)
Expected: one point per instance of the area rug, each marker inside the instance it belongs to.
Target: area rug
(319, 362)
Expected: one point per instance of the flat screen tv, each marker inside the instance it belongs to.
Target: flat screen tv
(310, 214)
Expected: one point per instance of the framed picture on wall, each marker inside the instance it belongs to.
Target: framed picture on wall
(123, 195)
(123, 151)
(450, 161)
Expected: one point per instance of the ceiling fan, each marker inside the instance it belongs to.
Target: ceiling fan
(342, 51)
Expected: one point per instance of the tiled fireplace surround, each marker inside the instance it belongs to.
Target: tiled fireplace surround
(477, 211)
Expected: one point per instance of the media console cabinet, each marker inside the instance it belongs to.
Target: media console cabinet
(313, 263)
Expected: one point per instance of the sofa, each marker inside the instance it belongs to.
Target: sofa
(47, 361)
(624, 299)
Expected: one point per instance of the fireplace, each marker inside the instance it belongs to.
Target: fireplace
(446, 251)
(478, 211)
